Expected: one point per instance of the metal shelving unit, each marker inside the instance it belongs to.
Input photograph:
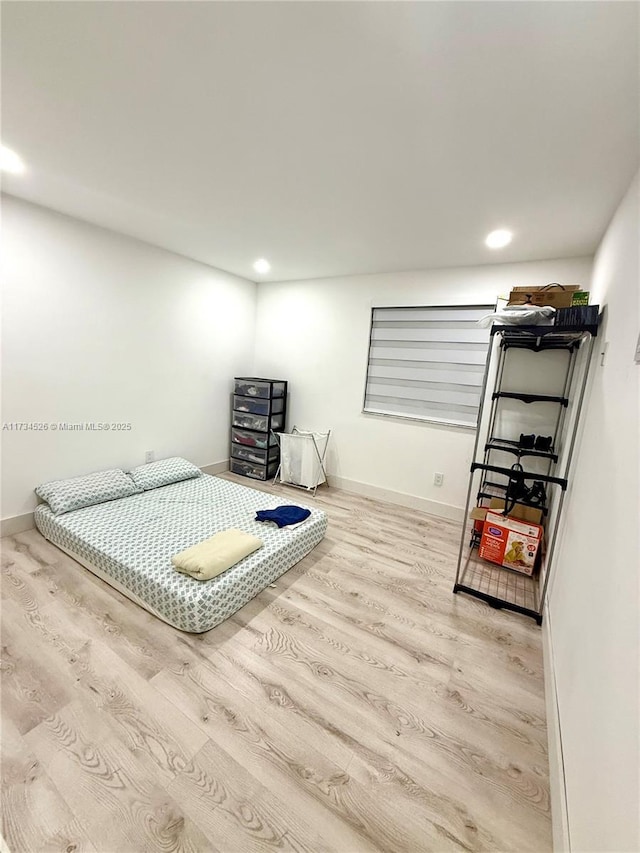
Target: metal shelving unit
(498, 586)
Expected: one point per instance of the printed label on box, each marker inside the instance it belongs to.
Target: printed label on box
(510, 543)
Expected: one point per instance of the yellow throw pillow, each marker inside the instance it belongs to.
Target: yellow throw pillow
(215, 555)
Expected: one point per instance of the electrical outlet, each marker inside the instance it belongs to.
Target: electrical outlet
(438, 478)
(149, 456)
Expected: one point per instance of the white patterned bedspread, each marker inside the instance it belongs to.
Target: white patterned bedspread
(132, 540)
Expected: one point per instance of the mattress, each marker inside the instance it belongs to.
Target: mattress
(129, 543)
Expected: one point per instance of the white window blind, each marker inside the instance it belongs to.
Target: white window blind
(427, 363)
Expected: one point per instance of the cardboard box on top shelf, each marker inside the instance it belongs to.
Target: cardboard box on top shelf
(555, 295)
(554, 285)
(510, 543)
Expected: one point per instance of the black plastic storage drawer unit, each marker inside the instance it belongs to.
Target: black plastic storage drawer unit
(265, 388)
(254, 454)
(258, 406)
(259, 410)
(256, 472)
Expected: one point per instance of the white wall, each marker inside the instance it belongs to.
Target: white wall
(100, 327)
(316, 335)
(594, 600)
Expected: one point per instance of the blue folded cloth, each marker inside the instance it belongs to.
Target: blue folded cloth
(283, 515)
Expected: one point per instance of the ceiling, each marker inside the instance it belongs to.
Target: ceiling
(331, 138)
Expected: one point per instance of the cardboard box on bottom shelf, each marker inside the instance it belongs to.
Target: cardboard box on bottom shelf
(510, 543)
(520, 511)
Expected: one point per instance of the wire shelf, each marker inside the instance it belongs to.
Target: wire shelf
(500, 587)
(544, 337)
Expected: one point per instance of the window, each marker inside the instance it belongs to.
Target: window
(427, 363)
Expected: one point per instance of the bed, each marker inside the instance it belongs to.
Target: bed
(129, 542)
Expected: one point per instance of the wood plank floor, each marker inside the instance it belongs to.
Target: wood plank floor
(356, 705)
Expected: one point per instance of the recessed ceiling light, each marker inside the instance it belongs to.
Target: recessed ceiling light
(262, 266)
(10, 162)
(498, 239)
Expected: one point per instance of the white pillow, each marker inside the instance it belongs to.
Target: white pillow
(163, 472)
(67, 495)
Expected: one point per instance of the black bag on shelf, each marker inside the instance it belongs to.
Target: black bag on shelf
(537, 494)
(526, 442)
(544, 442)
(516, 490)
(519, 492)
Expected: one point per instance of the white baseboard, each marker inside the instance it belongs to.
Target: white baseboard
(16, 524)
(559, 813)
(442, 510)
(215, 467)
(19, 523)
